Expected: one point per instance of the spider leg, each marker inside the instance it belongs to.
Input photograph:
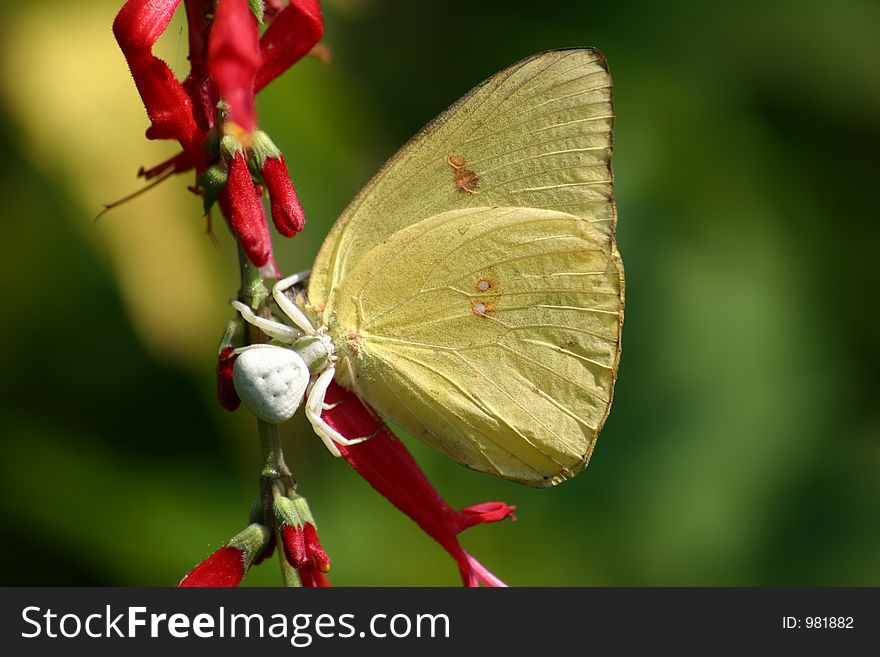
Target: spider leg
(287, 306)
(324, 407)
(314, 406)
(293, 279)
(270, 327)
(251, 347)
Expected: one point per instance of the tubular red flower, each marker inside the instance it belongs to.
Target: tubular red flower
(228, 565)
(136, 28)
(227, 58)
(389, 468)
(287, 214)
(293, 32)
(233, 59)
(198, 83)
(242, 207)
(304, 552)
(302, 549)
(225, 567)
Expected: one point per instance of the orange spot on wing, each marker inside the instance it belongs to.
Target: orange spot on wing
(482, 307)
(465, 180)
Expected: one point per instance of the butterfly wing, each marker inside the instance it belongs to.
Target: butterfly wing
(492, 334)
(537, 134)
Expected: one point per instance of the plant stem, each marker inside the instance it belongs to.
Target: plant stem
(275, 481)
(275, 477)
(252, 293)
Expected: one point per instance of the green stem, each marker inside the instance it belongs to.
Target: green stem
(275, 481)
(252, 292)
(275, 477)
(275, 473)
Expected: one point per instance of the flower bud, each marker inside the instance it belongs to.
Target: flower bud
(302, 548)
(242, 206)
(287, 213)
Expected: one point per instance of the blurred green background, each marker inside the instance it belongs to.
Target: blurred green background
(744, 443)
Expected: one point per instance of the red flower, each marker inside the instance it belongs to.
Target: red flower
(136, 28)
(302, 548)
(293, 32)
(228, 565)
(241, 204)
(233, 59)
(226, 394)
(388, 466)
(229, 61)
(225, 567)
(287, 214)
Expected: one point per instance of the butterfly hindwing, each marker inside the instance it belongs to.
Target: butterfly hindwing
(490, 333)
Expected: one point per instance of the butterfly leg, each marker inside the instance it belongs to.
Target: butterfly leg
(314, 406)
(287, 306)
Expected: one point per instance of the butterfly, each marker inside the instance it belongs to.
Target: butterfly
(472, 293)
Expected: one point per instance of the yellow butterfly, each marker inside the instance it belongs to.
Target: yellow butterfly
(472, 293)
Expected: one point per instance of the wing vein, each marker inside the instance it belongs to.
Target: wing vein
(589, 183)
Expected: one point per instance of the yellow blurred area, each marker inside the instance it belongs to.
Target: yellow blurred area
(77, 122)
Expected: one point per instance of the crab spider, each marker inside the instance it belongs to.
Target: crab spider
(272, 380)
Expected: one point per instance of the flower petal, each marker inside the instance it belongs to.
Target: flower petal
(485, 512)
(233, 59)
(294, 541)
(244, 212)
(316, 551)
(136, 28)
(225, 567)
(287, 214)
(293, 32)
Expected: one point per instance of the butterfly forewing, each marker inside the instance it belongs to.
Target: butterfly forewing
(538, 134)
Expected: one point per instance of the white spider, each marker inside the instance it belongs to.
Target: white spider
(273, 380)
